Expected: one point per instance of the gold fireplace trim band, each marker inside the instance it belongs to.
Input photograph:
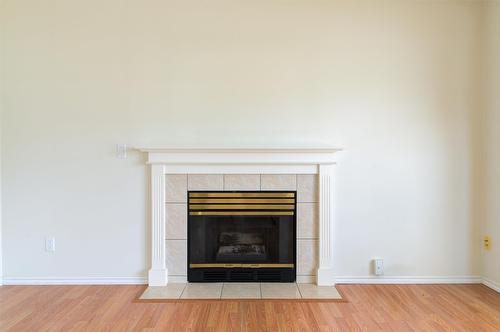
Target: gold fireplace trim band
(246, 266)
(241, 213)
(241, 195)
(241, 200)
(241, 207)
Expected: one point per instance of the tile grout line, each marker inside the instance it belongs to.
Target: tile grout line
(183, 289)
(221, 290)
(298, 288)
(260, 289)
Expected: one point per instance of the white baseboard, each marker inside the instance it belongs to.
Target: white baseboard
(408, 280)
(77, 281)
(491, 284)
(300, 279)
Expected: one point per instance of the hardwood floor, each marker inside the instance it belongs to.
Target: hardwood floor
(369, 308)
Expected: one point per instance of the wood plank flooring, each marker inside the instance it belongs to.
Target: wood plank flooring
(369, 308)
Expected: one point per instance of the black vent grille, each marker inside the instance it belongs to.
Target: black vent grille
(242, 276)
(214, 275)
(251, 275)
(269, 276)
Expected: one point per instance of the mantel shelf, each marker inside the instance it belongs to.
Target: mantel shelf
(242, 156)
(239, 150)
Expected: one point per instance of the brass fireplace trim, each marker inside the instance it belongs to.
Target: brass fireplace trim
(246, 266)
(241, 213)
(241, 200)
(241, 195)
(241, 207)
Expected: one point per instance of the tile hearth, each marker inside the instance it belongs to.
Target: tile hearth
(237, 291)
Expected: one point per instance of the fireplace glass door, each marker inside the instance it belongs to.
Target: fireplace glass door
(241, 236)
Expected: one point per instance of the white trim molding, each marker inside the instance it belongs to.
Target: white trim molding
(491, 284)
(77, 281)
(158, 274)
(401, 280)
(408, 280)
(325, 276)
(300, 279)
(164, 161)
(244, 156)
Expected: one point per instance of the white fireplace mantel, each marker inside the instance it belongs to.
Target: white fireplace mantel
(321, 161)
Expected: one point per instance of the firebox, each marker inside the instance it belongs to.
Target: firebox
(242, 236)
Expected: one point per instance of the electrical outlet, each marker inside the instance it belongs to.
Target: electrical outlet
(50, 244)
(378, 265)
(487, 242)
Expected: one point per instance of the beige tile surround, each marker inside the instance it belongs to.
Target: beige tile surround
(278, 182)
(176, 188)
(242, 182)
(307, 212)
(240, 291)
(205, 181)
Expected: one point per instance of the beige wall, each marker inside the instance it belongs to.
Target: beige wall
(491, 224)
(394, 82)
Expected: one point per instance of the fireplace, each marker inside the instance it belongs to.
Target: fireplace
(241, 236)
(316, 245)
